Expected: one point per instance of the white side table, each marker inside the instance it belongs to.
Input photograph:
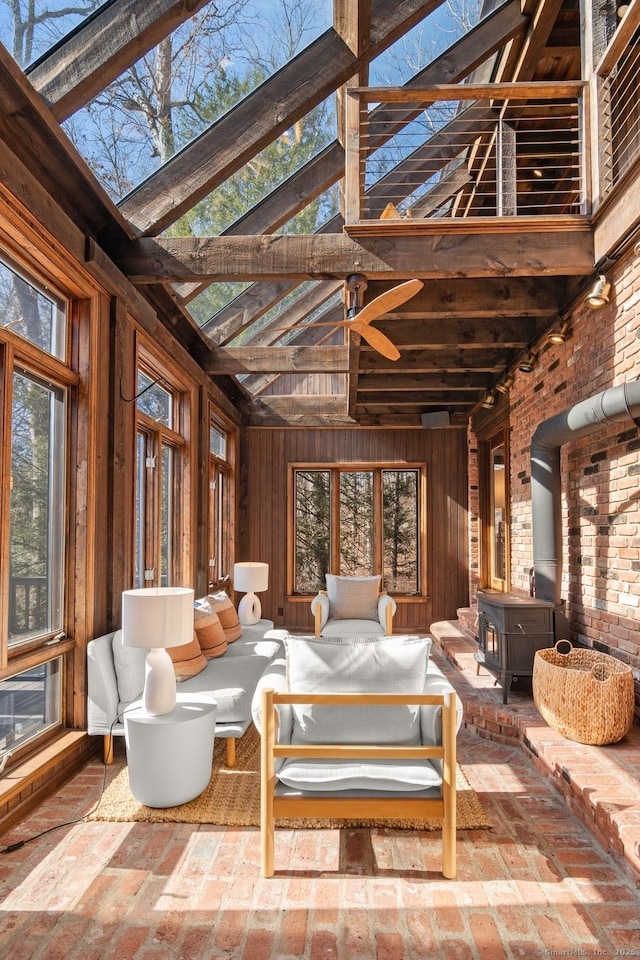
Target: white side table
(170, 757)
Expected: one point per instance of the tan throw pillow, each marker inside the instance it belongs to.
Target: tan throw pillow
(209, 631)
(188, 659)
(355, 598)
(227, 614)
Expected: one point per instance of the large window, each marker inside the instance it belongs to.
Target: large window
(35, 385)
(159, 480)
(221, 499)
(357, 522)
(494, 510)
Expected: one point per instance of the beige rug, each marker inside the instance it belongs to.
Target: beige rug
(233, 799)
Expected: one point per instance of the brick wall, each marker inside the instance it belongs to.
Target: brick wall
(600, 473)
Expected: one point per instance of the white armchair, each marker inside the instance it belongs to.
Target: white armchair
(352, 606)
(357, 727)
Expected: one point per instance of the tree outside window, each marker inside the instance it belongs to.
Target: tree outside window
(357, 522)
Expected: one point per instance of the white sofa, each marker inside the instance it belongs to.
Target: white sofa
(116, 679)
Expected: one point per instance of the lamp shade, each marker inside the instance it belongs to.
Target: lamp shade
(251, 577)
(155, 617)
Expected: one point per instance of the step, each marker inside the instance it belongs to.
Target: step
(600, 784)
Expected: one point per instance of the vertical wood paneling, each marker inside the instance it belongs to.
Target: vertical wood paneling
(263, 512)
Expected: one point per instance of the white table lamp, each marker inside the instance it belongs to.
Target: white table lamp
(157, 618)
(250, 578)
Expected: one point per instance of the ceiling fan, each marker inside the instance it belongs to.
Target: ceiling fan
(359, 318)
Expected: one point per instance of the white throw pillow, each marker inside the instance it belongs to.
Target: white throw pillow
(353, 598)
(356, 665)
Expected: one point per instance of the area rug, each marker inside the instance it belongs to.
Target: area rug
(233, 799)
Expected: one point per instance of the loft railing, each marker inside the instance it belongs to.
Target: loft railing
(618, 77)
(465, 151)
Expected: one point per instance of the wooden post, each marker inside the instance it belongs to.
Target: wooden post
(267, 782)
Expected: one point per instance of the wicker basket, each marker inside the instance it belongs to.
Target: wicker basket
(587, 696)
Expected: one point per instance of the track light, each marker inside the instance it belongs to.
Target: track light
(528, 363)
(598, 295)
(488, 401)
(505, 384)
(558, 335)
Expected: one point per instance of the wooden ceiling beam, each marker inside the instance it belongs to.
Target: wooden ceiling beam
(484, 297)
(451, 360)
(102, 48)
(261, 117)
(471, 334)
(295, 359)
(516, 248)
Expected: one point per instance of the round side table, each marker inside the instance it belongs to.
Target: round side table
(170, 757)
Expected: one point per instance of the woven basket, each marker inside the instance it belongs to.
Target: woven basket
(587, 696)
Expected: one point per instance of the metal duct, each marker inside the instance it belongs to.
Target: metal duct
(611, 406)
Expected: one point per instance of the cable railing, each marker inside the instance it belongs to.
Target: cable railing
(619, 109)
(465, 151)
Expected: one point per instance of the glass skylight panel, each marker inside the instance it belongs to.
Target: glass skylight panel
(30, 29)
(191, 79)
(424, 43)
(261, 175)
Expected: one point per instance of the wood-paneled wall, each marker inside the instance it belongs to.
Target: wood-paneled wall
(263, 509)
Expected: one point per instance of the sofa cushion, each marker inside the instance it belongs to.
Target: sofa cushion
(188, 659)
(129, 665)
(209, 630)
(227, 614)
(398, 776)
(356, 665)
(353, 598)
(231, 682)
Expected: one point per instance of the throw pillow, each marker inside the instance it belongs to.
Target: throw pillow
(188, 659)
(353, 598)
(227, 614)
(209, 631)
(356, 665)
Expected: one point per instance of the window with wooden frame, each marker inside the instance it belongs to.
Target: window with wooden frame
(494, 474)
(162, 487)
(35, 386)
(221, 502)
(358, 520)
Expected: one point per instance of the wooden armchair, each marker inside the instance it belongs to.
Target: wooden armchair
(353, 606)
(319, 761)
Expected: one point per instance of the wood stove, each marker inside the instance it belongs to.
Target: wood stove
(510, 630)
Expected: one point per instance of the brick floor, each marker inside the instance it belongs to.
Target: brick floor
(538, 884)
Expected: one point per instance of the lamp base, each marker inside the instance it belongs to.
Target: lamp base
(159, 695)
(249, 609)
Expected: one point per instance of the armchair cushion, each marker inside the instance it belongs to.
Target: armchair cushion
(327, 776)
(353, 598)
(356, 665)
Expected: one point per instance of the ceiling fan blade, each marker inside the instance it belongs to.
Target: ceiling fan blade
(376, 339)
(389, 300)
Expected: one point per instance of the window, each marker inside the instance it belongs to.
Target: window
(220, 529)
(357, 522)
(159, 481)
(35, 384)
(494, 510)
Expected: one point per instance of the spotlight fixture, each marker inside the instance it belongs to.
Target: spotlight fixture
(488, 401)
(598, 295)
(558, 334)
(505, 384)
(528, 363)
(622, 9)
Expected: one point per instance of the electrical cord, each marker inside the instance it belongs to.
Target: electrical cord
(12, 847)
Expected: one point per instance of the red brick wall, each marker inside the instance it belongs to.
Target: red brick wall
(600, 473)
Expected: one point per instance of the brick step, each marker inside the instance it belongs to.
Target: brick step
(600, 784)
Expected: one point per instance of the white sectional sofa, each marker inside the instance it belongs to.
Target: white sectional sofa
(116, 679)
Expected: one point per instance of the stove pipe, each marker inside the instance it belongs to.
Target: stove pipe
(612, 406)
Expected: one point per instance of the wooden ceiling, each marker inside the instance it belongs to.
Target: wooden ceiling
(489, 293)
